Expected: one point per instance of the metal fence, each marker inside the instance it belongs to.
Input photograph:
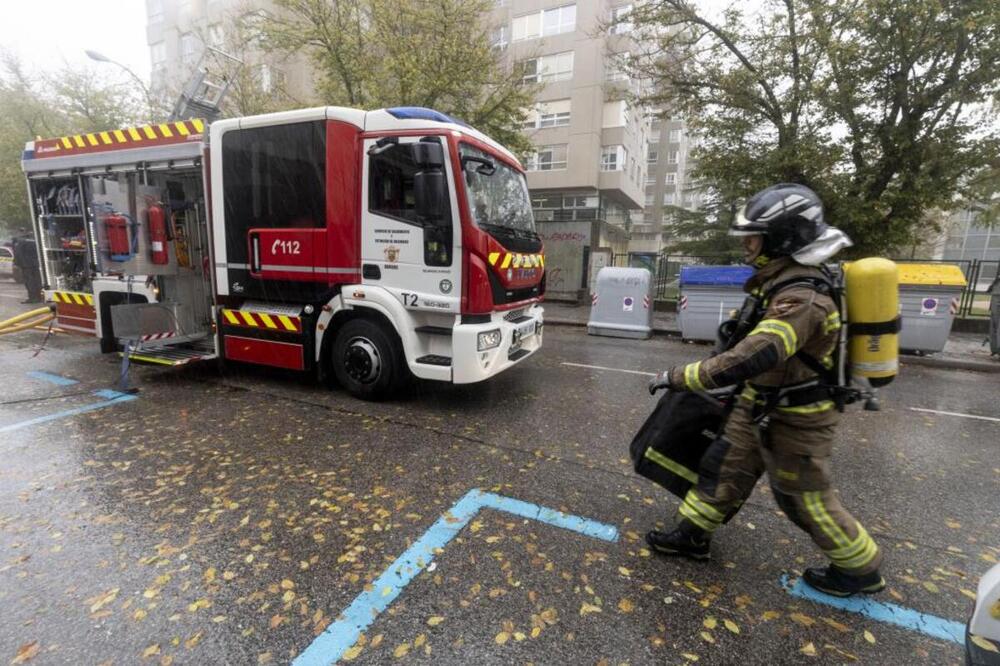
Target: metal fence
(665, 268)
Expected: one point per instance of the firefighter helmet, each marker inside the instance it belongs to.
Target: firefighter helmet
(789, 216)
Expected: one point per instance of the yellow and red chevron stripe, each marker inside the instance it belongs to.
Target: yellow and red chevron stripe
(73, 297)
(157, 134)
(265, 320)
(516, 260)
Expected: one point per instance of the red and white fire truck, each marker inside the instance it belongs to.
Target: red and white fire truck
(368, 245)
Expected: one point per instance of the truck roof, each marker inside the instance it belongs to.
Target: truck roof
(185, 139)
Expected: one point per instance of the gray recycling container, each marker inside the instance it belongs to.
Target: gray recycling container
(621, 305)
(929, 296)
(708, 295)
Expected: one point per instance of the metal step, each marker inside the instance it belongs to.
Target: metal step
(202, 350)
(433, 359)
(518, 355)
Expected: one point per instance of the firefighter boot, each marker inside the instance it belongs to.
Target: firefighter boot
(686, 540)
(835, 582)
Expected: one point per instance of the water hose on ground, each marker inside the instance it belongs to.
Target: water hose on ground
(26, 320)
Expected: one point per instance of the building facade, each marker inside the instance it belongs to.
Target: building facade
(178, 32)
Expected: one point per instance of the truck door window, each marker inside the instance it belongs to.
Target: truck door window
(274, 177)
(391, 194)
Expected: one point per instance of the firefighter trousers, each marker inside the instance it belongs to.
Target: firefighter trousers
(796, 458)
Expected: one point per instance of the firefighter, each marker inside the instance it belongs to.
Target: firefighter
(783, 422)
(26, 258)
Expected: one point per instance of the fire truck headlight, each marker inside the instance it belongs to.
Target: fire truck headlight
(308, 309)
(489, 340)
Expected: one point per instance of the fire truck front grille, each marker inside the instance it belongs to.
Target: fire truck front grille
(514, 314)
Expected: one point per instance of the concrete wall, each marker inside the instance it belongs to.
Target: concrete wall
(565, 252)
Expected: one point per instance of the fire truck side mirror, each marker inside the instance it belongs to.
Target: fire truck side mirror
(428, 155)
(430, 193)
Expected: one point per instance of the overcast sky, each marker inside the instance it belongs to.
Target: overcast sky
(48, 33)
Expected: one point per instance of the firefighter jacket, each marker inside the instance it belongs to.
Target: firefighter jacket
(797, 318)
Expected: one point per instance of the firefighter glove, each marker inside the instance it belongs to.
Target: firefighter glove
(660, 381)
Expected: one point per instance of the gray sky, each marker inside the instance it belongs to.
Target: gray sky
(48, 33)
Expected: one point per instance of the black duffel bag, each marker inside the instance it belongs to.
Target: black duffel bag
(669, 445)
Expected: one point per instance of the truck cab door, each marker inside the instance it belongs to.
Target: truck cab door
(411, 235)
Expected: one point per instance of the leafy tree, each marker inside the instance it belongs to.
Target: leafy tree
(878, 105)
(433, 53)
(50, 105)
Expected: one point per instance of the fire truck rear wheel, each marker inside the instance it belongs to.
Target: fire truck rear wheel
(367, 360)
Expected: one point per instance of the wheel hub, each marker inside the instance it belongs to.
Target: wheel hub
(362, 361)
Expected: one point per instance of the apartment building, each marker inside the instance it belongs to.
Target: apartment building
(590, 144)
(178, 31)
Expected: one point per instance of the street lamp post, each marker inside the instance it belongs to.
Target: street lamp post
(100, 57)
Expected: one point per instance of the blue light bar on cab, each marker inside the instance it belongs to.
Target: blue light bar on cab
(421, 113)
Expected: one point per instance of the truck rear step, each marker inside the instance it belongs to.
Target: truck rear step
(202, 350)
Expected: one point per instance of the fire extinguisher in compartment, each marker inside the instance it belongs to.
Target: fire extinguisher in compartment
(117, 229)
(157, 220)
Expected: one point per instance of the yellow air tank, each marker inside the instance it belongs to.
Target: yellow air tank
(873, 319)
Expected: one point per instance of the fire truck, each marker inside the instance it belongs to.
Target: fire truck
(373, 246)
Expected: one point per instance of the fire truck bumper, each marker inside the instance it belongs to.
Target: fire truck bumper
(483, 350)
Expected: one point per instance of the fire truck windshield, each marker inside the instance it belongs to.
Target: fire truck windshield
(498, 195)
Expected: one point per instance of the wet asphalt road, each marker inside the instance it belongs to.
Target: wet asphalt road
(228, 517)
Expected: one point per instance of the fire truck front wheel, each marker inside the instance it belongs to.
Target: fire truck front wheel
(367, 361)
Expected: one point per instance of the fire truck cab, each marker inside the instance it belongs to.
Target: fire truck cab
(368, 245)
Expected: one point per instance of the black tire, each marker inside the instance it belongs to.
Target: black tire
(368, 360)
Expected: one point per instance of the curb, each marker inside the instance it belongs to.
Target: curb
(950, 364)
(926, 361)
(555, 321)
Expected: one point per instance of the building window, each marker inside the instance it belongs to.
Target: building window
(649, 198)
(613, 158)
(651, 156)
(546, 69)
(559, 20)
(548, 158)
(548, 114)
(668, 198)
(579, 201)
(674, 136)
(215, 36)
(671, 179)
(500, 37)
(672, 157)
(616, 67)
(547, 22)
(189, 48)
(158, 55)
(154, 10)
(619, 23)
(615, 114)
(554, 114)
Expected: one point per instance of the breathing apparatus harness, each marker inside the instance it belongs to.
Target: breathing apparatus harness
(832, 380)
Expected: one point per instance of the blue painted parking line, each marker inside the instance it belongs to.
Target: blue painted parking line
(51, 378)
(110, 398)
(330, 646)
(932, 625)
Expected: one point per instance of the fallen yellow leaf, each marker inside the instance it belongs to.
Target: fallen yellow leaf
(869, 636)
(931, 587)
(420, 640)
(989, 646)
(26, 653)
(710, 622)
(501, 638)
(434, 620)
(689, 656)
(836, 625)
(770, 615)
(287, 584)
(102, 600)
(589, 608)
(808, 649)
(352, 653)
(626, 605)
(804, 620)
(707, 637)
(401, 650)
(151, 650)
(731, 626)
